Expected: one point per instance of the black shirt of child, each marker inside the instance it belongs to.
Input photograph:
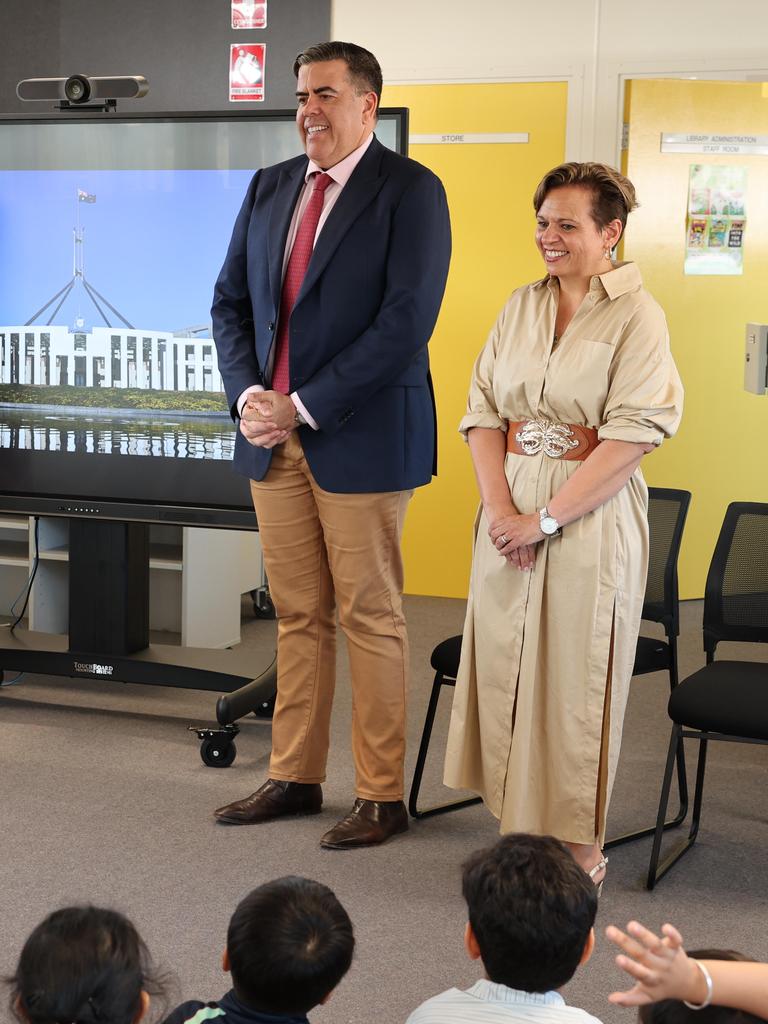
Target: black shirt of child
(228, 1010)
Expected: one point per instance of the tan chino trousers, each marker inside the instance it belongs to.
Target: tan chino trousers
(322, 549)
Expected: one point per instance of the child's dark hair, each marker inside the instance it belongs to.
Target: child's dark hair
(290, 942)
(531, 908)
(673, 1011)
(82, 965)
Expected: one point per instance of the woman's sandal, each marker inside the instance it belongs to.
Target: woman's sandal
(602, 865)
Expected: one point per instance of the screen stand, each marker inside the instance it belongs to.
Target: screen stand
(108, 586)
(109, 629)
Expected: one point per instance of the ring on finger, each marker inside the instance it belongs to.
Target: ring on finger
(504, 539)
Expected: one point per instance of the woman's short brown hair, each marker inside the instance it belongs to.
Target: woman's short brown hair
(613, 195)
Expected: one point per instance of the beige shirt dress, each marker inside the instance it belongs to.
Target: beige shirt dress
(537, 715)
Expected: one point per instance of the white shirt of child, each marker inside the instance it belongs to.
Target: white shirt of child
(488, 1002)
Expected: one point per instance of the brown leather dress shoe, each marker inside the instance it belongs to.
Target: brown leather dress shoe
(275, 799)
(369, 823)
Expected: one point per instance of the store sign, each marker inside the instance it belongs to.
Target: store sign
(728, 145)
(467, 138)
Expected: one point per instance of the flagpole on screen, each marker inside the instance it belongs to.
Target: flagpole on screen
(77, 269)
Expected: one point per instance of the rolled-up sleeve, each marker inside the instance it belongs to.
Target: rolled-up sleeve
(645, 394)
(482, 409)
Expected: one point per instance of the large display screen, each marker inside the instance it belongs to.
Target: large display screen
(112, 234)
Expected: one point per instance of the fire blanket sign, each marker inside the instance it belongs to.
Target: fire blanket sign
(247, 72)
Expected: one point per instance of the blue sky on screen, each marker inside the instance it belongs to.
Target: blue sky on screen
(154, 243)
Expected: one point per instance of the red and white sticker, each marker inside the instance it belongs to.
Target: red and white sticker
(249, 13)
(246, 72)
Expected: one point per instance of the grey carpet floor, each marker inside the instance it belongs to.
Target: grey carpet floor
(105, 799)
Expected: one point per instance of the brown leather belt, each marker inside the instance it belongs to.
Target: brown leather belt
(568, 441)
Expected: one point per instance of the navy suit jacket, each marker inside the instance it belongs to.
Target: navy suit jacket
(361, 322)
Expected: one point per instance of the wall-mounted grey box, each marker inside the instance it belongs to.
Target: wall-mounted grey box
(756, 359)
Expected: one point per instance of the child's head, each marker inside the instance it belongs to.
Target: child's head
(673, 1011)
(83, 965)
(531, 912)
(289, 944)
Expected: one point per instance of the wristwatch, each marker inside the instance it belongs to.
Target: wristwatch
(548, 524)
(298, 420)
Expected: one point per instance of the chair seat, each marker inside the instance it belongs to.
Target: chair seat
(652, 655)
(727, 696)
(446, 656)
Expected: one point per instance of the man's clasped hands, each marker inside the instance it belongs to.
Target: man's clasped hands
(267, 418)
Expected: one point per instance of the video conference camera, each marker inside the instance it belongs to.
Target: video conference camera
(78, 90)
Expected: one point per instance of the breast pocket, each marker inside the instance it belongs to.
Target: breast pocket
(577, 382)
(589, 363)
(599, 341)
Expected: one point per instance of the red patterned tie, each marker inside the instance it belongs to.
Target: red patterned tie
(294, 275)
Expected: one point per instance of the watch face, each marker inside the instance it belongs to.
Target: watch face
(549, 525)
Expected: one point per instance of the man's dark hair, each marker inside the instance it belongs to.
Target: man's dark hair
(673, 1011)
(531, 908)
(83, 965)
(290, 942)
(364, 69)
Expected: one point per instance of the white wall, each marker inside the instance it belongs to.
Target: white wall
(593, 44)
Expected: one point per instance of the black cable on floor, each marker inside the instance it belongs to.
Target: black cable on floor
(31, 579)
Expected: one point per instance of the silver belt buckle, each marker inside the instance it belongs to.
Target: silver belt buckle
(554, 439)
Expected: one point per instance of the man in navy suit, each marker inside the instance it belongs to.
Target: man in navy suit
(322, 312)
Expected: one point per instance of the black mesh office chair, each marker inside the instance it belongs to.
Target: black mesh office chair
(725, 700)
(667, 510)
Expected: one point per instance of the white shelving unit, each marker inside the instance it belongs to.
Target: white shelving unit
(197, 577)
(14, 559)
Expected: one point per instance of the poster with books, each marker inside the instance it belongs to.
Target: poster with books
(716, 219)
(246, 72)
(249, 14)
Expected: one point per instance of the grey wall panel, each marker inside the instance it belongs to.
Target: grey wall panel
(29, 35)
(180, 46)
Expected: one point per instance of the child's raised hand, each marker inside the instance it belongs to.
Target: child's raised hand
(659, 965)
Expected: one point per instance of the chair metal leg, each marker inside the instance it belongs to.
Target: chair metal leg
(654, 872)
(426, 735)
(679, 818)
(674, 741)
(421, 758)
(699, 791)
(682, 779)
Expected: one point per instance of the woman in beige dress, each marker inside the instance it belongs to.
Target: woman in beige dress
(574, 386)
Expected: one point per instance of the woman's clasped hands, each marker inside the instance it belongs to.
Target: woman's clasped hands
(514, 536)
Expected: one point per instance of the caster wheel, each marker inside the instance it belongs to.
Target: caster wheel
(218, 754)
(262, 604)
(266, 708)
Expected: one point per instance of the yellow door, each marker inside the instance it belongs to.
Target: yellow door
(720, 451)
(490, 187)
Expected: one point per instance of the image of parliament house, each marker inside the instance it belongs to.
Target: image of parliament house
(109, 358)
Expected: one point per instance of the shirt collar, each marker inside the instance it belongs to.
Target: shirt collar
(238, 1013)
(495, 992)
(621, 279)
(625, 277)
(342, 171)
